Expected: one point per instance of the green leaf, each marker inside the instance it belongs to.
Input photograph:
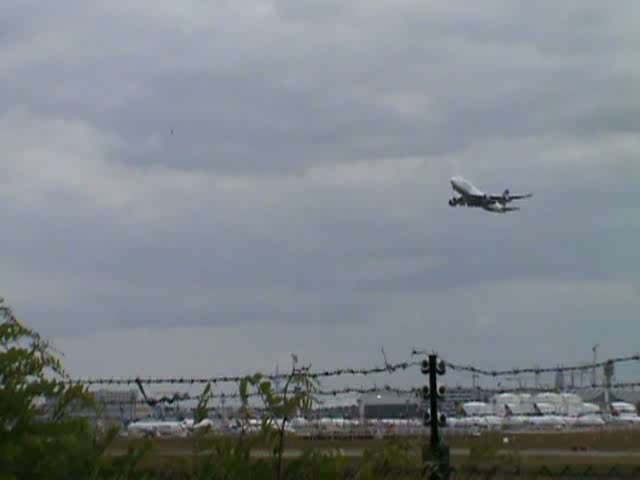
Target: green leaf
(265, 388)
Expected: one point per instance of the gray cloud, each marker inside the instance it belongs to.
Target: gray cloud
(268, 88)
(300, 202)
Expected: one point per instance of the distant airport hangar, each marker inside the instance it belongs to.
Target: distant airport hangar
(394, 405)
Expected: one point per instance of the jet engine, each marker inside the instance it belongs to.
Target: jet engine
(505, 195)
(496, 207)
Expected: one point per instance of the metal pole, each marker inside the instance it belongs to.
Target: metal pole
(593, 371)
(435, 453)
(433, 400)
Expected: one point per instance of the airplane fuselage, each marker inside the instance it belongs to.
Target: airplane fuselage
(471, 196)
(464, 187)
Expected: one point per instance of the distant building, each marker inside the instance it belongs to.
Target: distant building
(337, 407)
(120, 405)
(384, 404)
(457, 396)
(113, 406)
(387, 405)
(599, 397)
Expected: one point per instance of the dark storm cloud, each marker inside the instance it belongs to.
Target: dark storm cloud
(279, 171)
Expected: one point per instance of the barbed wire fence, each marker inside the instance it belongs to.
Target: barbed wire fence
(388, 368)
(319, 395)
(323, 394)
(391, 368)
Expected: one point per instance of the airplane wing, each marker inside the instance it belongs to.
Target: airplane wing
(499, 207)
(518, 197)
(506, 196)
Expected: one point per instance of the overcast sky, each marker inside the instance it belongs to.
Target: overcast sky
(203, 187)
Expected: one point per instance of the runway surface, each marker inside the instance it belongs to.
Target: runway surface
(358, 452)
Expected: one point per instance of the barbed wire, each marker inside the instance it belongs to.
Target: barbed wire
(386, 368)
(534, 370)
(550, 388)
(416, 391)
(179, 397)
(389, 368)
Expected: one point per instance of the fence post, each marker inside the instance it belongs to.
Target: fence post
(435, 453)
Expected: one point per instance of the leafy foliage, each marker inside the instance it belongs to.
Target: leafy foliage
(391, 461)
(230, 458)
(29, 440)
(59, 442)
(51, 444)
(313, 464)
(295, 398)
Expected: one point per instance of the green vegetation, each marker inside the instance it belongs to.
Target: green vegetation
(60, 442)
(32, 444)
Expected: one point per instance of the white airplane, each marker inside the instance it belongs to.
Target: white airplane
(157, 428)
(473, 197)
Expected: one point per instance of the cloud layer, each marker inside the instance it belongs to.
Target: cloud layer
(233, 181)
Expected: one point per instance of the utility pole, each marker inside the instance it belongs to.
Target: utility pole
(593, 372)
(609, 369)
(434, 452)
(573, 379)
(559, 379)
